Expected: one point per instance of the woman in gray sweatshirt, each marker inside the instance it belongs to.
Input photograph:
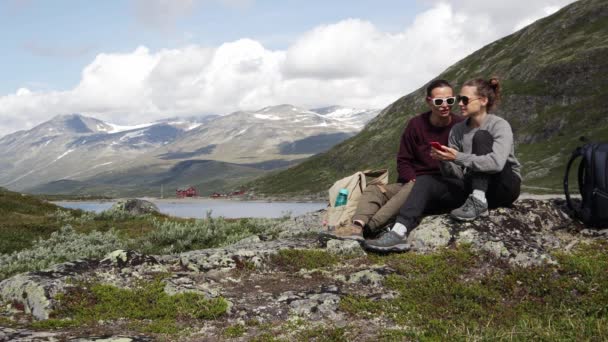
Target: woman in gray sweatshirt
(481, 152)
(479, 168)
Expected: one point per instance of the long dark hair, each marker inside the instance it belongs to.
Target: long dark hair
(489, 89)
(437, 84)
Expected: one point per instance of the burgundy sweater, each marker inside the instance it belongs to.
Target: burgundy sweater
(414, 157)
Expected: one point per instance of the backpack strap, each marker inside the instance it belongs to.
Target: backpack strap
(578, 152)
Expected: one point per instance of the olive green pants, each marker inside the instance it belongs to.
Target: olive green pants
(379, 204)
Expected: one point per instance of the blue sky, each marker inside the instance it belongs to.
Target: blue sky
(133, 61)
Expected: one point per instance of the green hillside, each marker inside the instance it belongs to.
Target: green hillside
(554, 75)
(23, 219)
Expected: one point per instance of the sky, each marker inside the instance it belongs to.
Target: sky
(135, 61)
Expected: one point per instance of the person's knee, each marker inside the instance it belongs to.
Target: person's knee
(372, 190)
(482, 142)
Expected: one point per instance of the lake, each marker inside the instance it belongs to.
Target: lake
(197, 208)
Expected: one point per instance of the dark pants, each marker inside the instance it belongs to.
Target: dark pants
(431, 194)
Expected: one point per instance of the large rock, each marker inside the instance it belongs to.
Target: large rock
(230, 257)
(523, 234)
(135, 207)
(36, 291)
(345, 247)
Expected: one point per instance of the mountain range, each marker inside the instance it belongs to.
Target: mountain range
(77, 154)
(554, 76)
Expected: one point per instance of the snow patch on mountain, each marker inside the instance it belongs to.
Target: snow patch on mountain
(118, 128)
(267, 117)
(63, 155)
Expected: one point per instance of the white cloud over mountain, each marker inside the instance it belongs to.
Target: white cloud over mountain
(351, 63)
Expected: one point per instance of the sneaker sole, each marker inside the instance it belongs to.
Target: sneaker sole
(402, 247)
(468, 219)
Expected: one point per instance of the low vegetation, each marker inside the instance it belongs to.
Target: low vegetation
(455, 295)
(63, 245)
(170, 236)
(147, 307)
(295, 259)
(35, 234)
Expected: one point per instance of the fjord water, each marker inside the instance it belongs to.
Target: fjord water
(198, 208)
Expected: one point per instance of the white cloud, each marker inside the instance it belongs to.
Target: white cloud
(351, 62)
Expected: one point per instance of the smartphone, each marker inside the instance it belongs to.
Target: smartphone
(436, 145)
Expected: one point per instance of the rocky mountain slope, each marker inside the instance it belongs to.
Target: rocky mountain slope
(75, 153)
(554, 81)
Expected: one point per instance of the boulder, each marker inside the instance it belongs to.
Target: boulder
(522, 234)
(135, 206)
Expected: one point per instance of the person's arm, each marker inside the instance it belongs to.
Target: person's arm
(450, 169)
(494, 161)
(405, 169)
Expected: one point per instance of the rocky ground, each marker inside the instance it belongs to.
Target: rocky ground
(269, 292)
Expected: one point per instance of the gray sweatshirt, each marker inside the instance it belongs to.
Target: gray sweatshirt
(503, 151)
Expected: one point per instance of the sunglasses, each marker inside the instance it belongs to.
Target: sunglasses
(438, 101)
(465, 99)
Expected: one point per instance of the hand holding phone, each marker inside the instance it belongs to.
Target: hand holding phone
(437, 145)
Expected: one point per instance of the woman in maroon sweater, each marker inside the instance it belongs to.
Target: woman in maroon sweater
(378, 204)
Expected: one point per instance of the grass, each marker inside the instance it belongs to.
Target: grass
(23, 219)
(446, 296)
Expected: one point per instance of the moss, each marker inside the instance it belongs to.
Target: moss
(296, 259)
(394, 335)
(264, 337)
(53, 324)
(324, 334)
(6, 322)
(234, 331)
(162, 326)
(90, 303)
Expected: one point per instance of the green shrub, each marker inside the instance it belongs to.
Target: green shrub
(171, 236)
(63, 245)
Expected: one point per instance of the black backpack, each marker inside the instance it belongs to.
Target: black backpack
(592, 184)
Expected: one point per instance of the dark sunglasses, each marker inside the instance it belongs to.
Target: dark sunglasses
(438, 101)
(465, 99)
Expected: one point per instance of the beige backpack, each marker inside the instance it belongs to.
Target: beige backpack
(355, 184)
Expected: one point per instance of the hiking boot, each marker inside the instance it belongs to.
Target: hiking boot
(388, 242)
(470, 210)
(350, 231)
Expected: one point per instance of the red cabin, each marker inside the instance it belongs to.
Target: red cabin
(188, 192)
